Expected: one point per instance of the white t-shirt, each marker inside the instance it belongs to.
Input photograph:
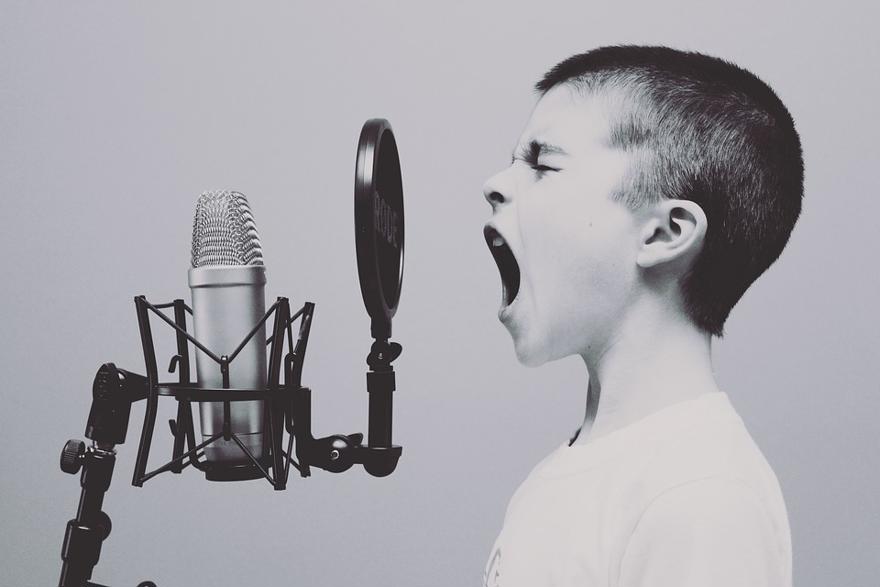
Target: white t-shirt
(681, 498)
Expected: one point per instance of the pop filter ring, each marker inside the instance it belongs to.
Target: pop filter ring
(379, 224)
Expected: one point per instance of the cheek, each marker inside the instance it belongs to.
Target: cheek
(549, 240)
(587, 262)
(608, 253)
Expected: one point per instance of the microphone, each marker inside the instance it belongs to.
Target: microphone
(228, 280)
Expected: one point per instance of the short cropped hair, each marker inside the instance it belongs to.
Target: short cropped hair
(701, 129)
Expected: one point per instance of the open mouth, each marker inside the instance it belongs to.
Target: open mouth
(506, 262)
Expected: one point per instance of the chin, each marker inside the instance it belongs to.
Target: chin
(534, 350)
(531, 353)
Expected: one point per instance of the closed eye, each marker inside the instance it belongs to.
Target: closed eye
(531, 153)
(536, 167)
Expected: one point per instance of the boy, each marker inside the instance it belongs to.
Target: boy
(648, 190)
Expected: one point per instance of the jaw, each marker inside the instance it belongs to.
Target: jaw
(515, 308)
(517, 311)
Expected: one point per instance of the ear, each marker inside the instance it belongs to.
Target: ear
(672, 230)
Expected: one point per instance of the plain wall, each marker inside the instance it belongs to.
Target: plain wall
(115, 116)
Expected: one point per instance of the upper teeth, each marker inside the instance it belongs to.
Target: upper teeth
(497, 241)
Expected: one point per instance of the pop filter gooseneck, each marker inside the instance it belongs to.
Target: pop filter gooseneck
(378, 216)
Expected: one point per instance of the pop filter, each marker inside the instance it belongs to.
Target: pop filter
(378, 219)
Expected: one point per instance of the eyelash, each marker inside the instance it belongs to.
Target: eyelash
(540, 169)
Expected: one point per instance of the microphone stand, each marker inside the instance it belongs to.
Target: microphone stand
(112, 396)
(288, 407)
(86, 532)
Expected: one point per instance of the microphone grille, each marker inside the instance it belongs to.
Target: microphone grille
(224, 232)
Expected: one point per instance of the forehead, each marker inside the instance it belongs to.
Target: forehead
(570, 119)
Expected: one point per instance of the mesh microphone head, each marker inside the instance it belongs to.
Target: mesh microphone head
(224, 232)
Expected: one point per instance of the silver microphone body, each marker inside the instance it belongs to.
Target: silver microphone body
(228, 281)
(227, 303)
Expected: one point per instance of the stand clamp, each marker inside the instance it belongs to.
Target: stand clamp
(338, 453)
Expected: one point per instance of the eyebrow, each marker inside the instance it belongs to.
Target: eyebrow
(535, 149)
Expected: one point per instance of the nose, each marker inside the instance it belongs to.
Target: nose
(496, 191)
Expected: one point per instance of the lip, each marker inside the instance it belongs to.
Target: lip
(505, 312)
(508, 268)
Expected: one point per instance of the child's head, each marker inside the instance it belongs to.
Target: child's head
(643, 172)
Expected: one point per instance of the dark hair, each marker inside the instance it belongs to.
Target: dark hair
(701, 129)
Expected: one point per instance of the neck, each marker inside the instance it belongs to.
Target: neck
(656, 359)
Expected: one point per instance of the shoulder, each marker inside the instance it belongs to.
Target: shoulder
(709, 531)
(532, 482)
(705, 504)
(709, 443)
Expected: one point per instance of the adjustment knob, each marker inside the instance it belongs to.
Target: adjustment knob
(337, 455)
(72, 456)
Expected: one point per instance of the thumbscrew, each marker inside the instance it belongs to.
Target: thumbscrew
(72, 456)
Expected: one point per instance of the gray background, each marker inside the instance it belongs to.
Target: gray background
(116, 115)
